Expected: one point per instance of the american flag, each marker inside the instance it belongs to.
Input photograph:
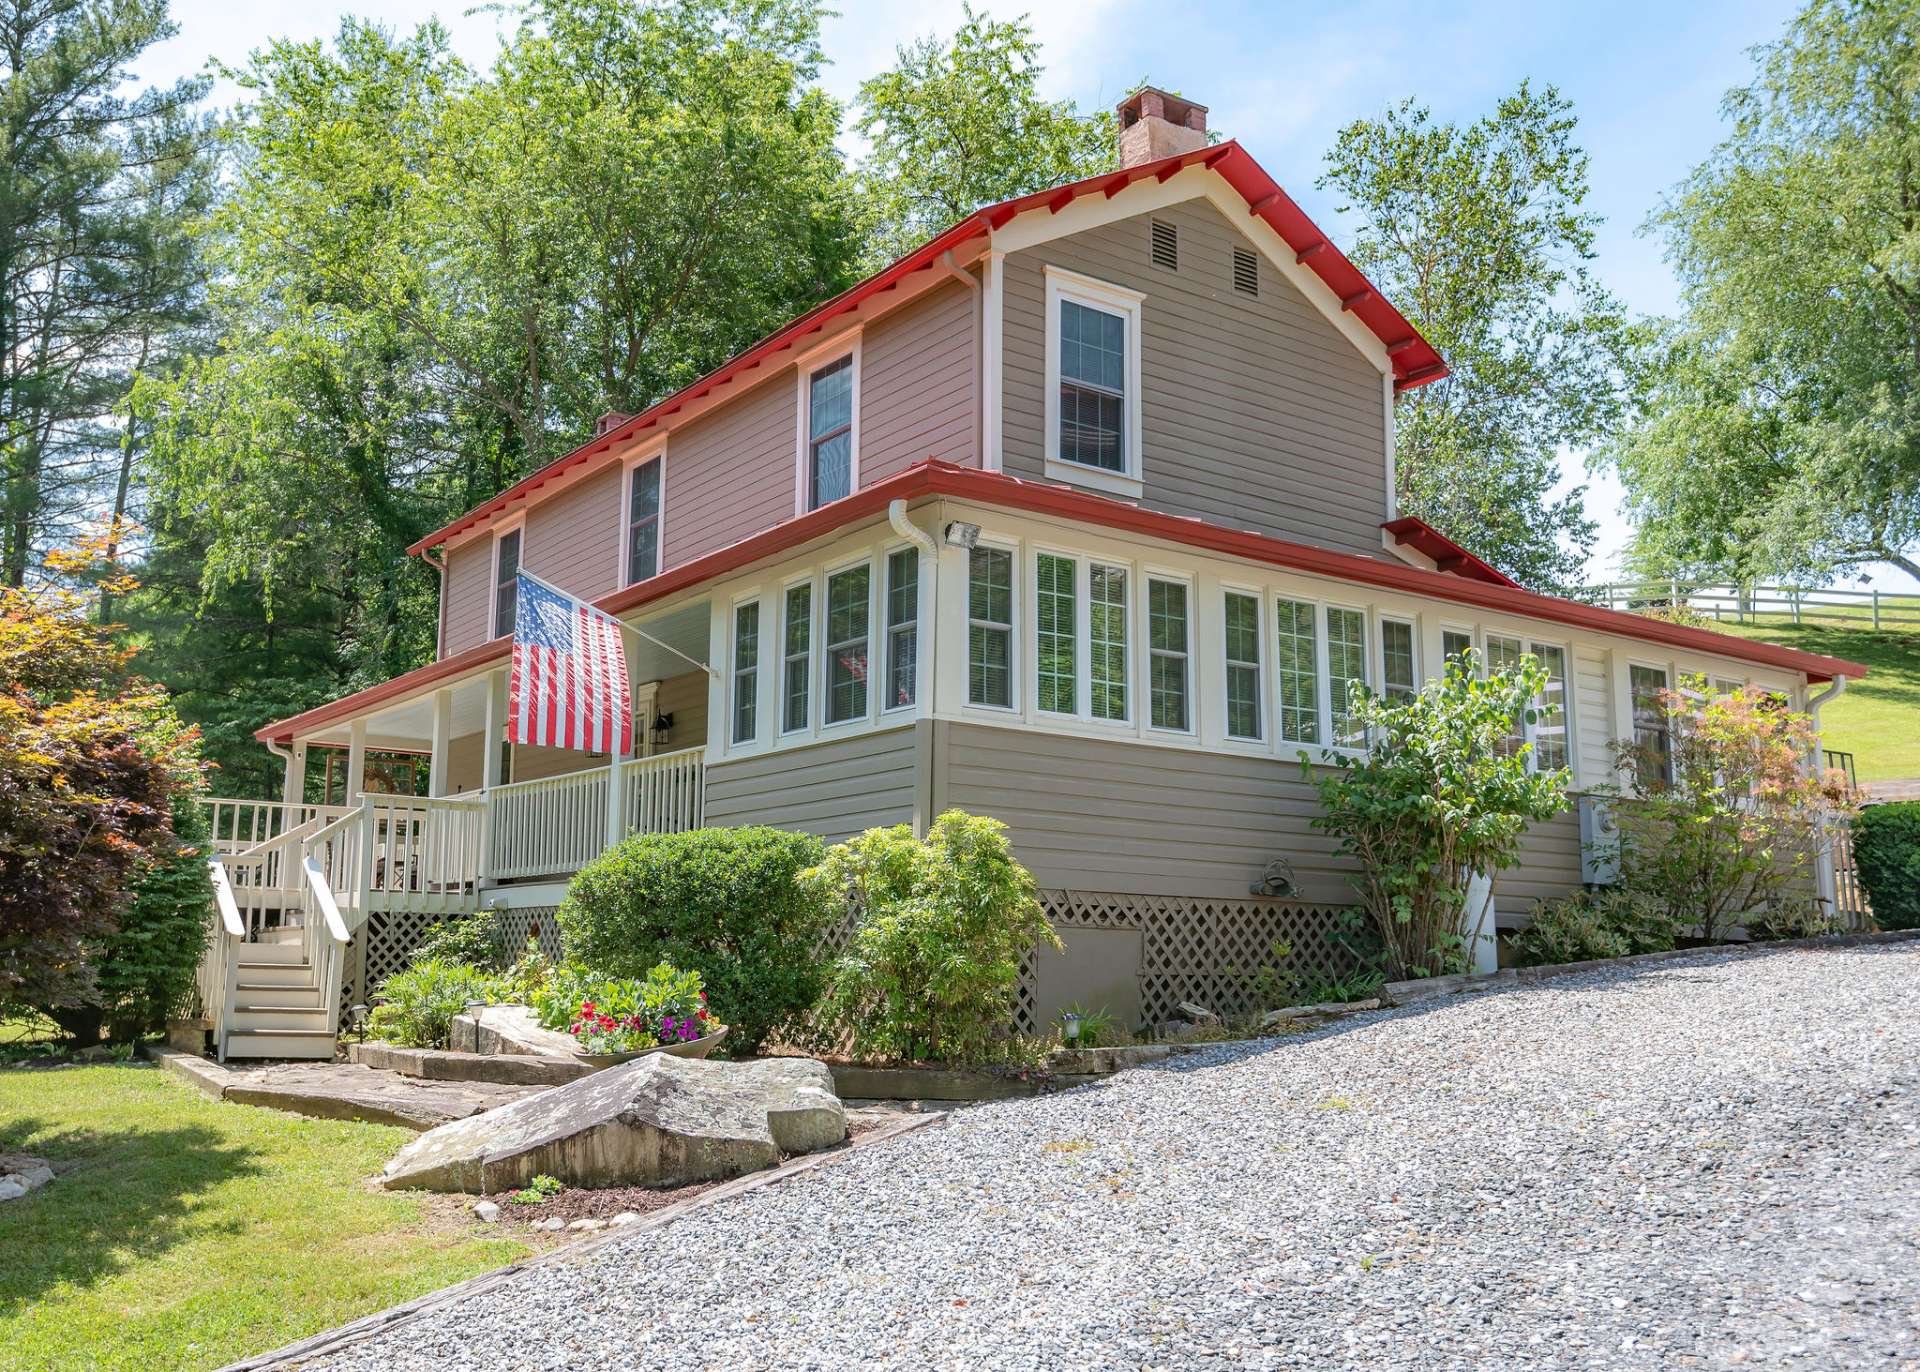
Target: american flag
(568, 688)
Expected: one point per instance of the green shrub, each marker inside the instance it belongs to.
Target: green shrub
(1610, 923)
(418, 1005)
(476, 940)
(1791, 919)
(940, 930)
(721, 902)
(145, 969)
(1886, 851)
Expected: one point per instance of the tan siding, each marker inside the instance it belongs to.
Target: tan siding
(530, 762)
(919, 385)
(835, 790)
(1258, 413)
(1108, 815)
(685, 698)
(466, 756)
(469, 592)
(1593, 714)
(572, 538)
(729, 474)
(1549, 866)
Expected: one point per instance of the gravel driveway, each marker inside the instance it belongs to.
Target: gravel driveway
(1707, 1162)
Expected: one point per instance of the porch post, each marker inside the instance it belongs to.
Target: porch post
(616, 808)
(293, 786)
(356, 761)
(496, 729)
(442, 743)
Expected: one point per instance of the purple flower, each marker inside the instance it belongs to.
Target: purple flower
(686, 1030)
(666, 1025)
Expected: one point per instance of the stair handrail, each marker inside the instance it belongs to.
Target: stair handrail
(218, 963)
(324, 940)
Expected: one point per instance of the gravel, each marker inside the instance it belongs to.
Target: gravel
(1709, 1162)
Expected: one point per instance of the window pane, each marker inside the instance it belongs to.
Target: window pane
(1093, 350)
(797, 657)
(832, 469)
(1346, 664)
(903, 628)
(746, 671)
(1396, 660)
(506, 593)
(1243, 666)
(1058, 634)
(1107, 640)
(1454, 643)
(1503, 655)
(846, 637)
(830, 406)
(1167, 653)
(830, 433)
(643, 523)
(1298, 667)
(1550, 731)
(990, 627)
(1652, 730)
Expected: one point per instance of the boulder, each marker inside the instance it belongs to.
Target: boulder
(655, 1121)
(502, 1029)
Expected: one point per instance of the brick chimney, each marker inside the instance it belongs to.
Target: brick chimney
(608, 422)
(1154, 125)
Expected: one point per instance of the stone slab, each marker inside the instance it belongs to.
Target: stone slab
(508, 1030)
(434, 1064)
(350, 1091)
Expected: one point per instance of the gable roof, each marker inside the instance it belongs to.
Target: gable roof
(1413, 359)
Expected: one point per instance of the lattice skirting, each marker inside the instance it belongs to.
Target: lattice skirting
(382, 945)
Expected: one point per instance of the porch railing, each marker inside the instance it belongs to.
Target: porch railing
(665, 794)
(238, 825)
(546, 827)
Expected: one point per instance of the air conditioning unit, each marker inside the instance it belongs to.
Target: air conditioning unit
(1599, 842)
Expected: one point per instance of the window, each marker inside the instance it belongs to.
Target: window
(1455, 643)
(746, 671)
(846, 640)
(1243, 665)
(1167, 653)
(1092, 383)
(1165, 249)
(990, 627)
(1297, 664)
(1503, 655)
(796, 658)
(506, 583)
(829, 470)
(1346, 664)
(643, 522)
(1550, 730)
(1399, 679)
(903, 628)
(1246, 272)
(1056, 689)
(1652, 728)
(1727, 686)
(1107, 640)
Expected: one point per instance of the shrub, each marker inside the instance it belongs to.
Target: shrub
(418, 1005)
(1886, 852)
(477, 940)
(721, 902)
(1439, 793)
(941, 927)
(1791, 919)
(1586, 925)
(145, 969)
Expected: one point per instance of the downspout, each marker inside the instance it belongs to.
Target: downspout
(439, 564)
(929, 638)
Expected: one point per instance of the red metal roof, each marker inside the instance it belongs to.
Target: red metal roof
(933, 478)
(1414, 360)
(1415, 533)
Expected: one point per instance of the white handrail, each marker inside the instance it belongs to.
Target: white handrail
(223, 900)
(322, 893)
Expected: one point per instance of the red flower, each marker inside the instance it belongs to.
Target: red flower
(586, 1007)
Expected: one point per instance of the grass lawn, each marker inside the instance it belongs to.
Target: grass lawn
(187, 1233)
(1878, 719)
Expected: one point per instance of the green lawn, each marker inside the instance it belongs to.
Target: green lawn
(1878, 719)
(189, 1233)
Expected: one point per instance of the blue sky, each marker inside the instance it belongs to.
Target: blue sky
(1645, 79)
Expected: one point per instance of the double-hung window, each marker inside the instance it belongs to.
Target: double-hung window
(903, 628)
(1503, 655)
(1092, 382)
(506, 583)
(643, 522)
(1243, 665)
(1652, 724)
(1550, 748)
(1346, 664)
(990, 627)
(1399, 676)
(830, 425)
(1297, 665)
(796, 658)
(746, 671)
(1057, 642)
(1455, 643)
(846, 643)
(1167, 638)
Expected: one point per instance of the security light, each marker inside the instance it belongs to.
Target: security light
(962, 535)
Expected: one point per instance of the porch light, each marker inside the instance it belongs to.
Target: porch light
(662, 728)
(962, 535)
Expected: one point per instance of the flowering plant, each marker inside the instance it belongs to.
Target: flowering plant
(606, 1016)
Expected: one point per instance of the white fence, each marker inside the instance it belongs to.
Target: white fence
(1754, 602)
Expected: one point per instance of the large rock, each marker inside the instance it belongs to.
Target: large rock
(656, 1121)
(508, 1029)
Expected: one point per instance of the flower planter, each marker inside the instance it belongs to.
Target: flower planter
(690, 1048)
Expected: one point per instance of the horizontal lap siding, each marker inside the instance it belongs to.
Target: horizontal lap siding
(730, 473)
(1258, 413)
(685, 698)
(1108, 815)
(835, 790)
(1593, 713)
(918, 385)
(573, 538)
(1549, 866)
(469, 592)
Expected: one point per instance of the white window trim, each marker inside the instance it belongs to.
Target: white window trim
(1269, 724)
(516, 524)
(631, 465)
(734, 744)
(1100, 295)
(1016, 632)
(812, 583)
(1378, 648)
(882, 562)
(843, 345)
(1143, 623)
(833, 728)
(1270, 608)
(1368, 678)
(1082, 711)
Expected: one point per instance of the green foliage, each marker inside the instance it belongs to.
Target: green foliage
(1587, 925)
(475, 939)
(1096, 1026)
(145, 968)
(1479, 235)
(416, 1006)
(618, 1015)
(958, 125)
(523, 982)
(1791, 919)
(940, 927)
(724, 903)
(1886, 852)
(1438, 794)
(1780, 434)
(541, 1188)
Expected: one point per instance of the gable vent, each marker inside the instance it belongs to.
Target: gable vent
(1166, 246)
(1246, 272)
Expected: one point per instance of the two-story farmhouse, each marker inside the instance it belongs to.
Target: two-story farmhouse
(1081, 515)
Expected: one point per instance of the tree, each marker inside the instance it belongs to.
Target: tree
(96, 275)
(1780, 432)
(1478, 234)
(954, 126)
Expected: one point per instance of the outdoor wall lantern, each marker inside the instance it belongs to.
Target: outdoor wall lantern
(962, 535)
(662, 728)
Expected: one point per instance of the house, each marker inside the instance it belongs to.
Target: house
(1081, 515)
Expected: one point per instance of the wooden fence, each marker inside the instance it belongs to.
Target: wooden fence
(1758, 603)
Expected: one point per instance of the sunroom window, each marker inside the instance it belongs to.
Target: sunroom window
(796, 658)
(903, 628)
(846, 643)
(990, 627)
(1107, 641)
(1652, 725)
(1056, 624)
(1346, 664)
(746, 671)
(1399, 679)
(1243, 665)
(1167, 653)
(1297, 663)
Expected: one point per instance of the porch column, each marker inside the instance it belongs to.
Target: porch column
(441, 759)
(293, 786)
(495, 731)
(616, 807)
(356, 761)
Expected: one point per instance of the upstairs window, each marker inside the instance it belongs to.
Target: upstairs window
(846, 643)
(903, 628)
(990, 627)
(643, 522)
(829, 458)
(1093, 383)
(506, 584)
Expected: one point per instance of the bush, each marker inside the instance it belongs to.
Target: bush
(721, 902)
(418, 1005)
(477, 940)
(145, 969)
(1609, 923)
(940, 930)
(1886, 852)
(1791, 919)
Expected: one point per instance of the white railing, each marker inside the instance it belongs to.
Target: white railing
(324, 936)
(335, 855)
(218, 963)
(1754, 602)
(543, 828)
(238, 825)
(665, 794)
(426, 851)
